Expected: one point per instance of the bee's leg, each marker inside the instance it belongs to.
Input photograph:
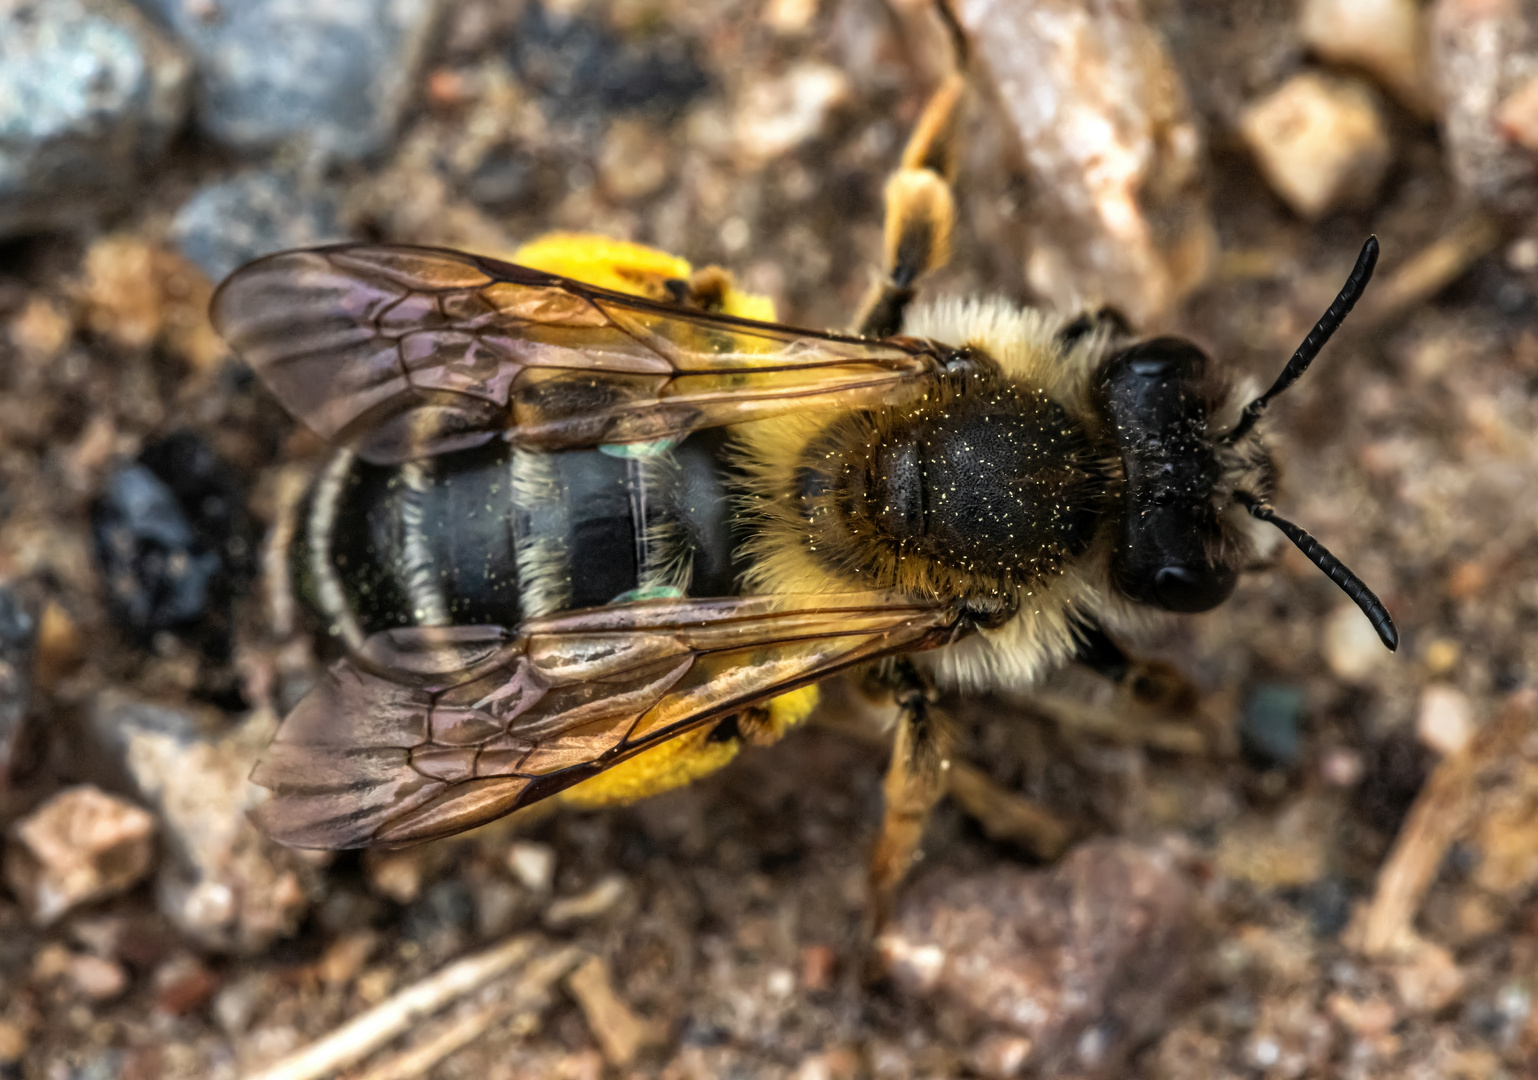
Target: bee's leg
(915, 780)
(1152, 684)
(920, 212)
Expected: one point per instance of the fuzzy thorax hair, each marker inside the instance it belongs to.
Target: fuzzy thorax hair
(829, 521)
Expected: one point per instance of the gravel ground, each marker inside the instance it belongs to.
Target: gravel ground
(1325, 868)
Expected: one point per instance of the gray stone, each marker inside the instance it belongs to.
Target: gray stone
(1083, 962)
(19, 619)
(334, 74)
(222, 883)
(1113, 148)
(90, 94)
(231, 222)
(1483, 52)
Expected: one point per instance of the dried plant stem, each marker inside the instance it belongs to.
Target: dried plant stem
(367, 1032)
(1443, 810)
(531, 994)
(1428, 271)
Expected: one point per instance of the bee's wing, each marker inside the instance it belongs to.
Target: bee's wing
(435, 731)
(406, 351)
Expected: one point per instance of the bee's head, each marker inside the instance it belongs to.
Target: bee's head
(1179, 549)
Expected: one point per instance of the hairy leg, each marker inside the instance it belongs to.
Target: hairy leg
(920, 212)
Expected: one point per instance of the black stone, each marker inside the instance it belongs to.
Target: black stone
(172, 538)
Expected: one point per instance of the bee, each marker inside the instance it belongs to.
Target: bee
(590, 538)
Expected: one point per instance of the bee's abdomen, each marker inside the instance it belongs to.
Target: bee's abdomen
(495, 535)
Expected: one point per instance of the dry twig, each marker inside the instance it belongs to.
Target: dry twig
(1428, 271)
(620, 1033)
(1442, 812)
(367, 1032)
(530, 994)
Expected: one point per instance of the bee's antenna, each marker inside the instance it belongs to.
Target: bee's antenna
(1338, 572)
(1328, 323)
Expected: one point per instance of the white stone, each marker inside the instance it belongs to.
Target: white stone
(1320, 142)
(777, 116)
(221, 883)
(79, 846)
(1351, 646)
(1385, 38)
(533, 865)
(1444, 721)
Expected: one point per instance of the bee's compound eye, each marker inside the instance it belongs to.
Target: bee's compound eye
(1185, 588)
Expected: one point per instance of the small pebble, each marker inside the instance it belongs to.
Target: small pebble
(96, 978)
(183, 985)
(235, 1004)
(1385, 38)
(1328, 905)
(233, 220)
(819, 964)
(1517, 115)
(633, 161)
(1372, 1017)
(1270, 726)
(1442, 656)
(497, 905)
(780, 983)
(42, 330)
(375, 984)
(79, 846)
(777, 116)
(1522, 255)
(345, 957)
(13, 1042)
(533, 865)
(1320, 142)
(157, 575)
(395, 874)
(1351, 646)
(225, 887)
(789, 17)
(1000, 1057)
(1444, 720)
(1341, 767)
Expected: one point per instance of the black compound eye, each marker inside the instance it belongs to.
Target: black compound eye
(1185, 588)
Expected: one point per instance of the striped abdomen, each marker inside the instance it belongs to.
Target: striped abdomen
(494, 535)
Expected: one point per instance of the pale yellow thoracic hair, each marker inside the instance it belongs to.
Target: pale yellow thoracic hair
(1025, 343)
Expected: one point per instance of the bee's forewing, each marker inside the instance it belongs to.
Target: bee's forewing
(402, 352)
(431, 732)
